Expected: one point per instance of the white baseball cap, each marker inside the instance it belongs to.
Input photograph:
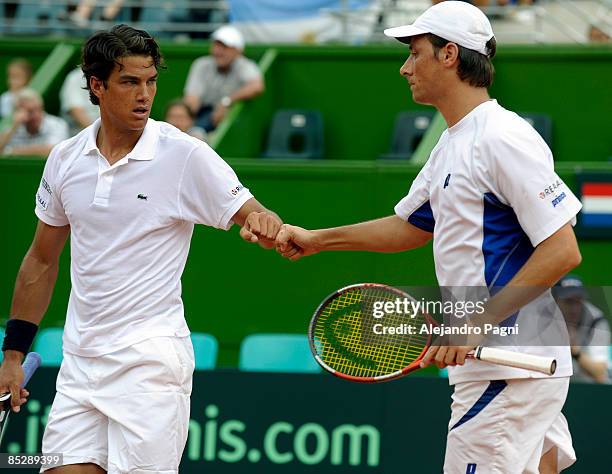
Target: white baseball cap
(229, 36)
(457, 22)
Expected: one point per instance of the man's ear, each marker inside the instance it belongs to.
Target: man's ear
(449, 55)
(96, 85)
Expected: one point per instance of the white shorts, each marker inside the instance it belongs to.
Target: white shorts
(128, 411)
(504, 427)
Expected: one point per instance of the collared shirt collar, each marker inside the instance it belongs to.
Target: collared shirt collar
(92, 135)
(145, 147)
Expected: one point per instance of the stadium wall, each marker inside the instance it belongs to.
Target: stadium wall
(359, 92)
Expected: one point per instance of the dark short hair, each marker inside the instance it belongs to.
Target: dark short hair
(179, 103)
(103, 49)
(474, 68)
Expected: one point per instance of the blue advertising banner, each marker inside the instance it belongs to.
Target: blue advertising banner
(282, 423)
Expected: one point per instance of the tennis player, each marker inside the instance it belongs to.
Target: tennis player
(499, 216)
(128, 190)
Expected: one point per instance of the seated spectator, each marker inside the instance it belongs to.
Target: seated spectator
(489, 3)
(599, 33)
(225, 77)
(75, 106)
(32, 131)
(180, 115)
(18, 75)
(82, 15)
(588, 328)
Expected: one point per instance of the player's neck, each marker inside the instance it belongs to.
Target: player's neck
(461, 101)
(114, 144)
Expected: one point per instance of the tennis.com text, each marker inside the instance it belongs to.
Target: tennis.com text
(413, 308)
(216, 439)
(281, 442)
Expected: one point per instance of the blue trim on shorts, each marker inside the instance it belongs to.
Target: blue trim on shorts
(493, 390)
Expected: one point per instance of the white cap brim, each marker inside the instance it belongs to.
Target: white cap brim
(404, 31)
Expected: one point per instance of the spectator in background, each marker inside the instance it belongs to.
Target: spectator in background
(488, 3)
(75, 106)
(588, 329)
(225, 77)
(32, 131)
(180, 115)
(18, 75)
(599, 33)
(82, 15)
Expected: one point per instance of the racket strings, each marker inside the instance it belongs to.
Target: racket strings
(347, 340)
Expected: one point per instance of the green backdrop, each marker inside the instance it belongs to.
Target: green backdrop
(232, 288)
(359, 91)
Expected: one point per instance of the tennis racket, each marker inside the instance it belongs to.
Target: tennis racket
(344, 340)
(30, 364)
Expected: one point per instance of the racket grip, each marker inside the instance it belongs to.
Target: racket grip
(29, 366)
(546, 365)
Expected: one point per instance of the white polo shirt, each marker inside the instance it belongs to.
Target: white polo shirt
(131, 226)
(489, 194)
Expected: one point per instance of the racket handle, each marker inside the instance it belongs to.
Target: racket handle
(546, 365)
(29, 366)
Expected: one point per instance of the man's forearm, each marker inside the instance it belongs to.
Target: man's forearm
(248, 91)
(252, 205)
(79, 115)
(388, 234)
(32, 150)
(33, 289)
(5, 137)
(595, 368)
(193, 103)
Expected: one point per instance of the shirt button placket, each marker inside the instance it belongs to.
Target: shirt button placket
(105, 181)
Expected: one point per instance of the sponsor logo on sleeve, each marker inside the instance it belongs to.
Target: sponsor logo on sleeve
(43, 195)
(41, 201)
(558, 199)
(45, 185)
(237, 189)
(550, 190)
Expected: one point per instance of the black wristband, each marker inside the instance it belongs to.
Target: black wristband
(19, 335)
